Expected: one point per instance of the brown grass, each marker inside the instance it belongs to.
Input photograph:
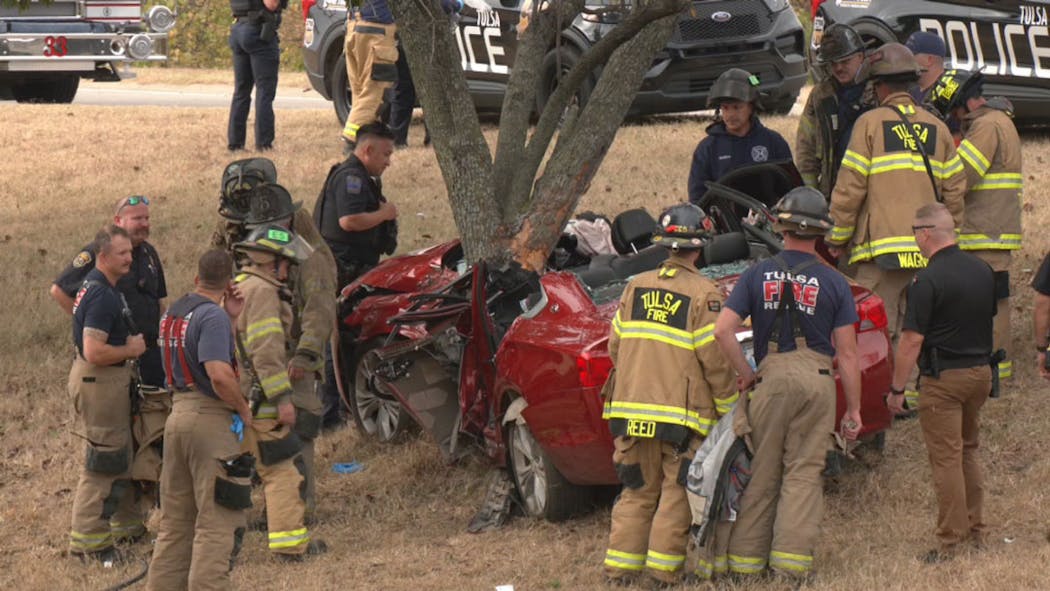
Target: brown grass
(400, 524)
(193, 77)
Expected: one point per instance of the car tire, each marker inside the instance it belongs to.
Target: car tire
(564, 57)
(60, 90)
(543, 491)
(341, 98)
(378, 415)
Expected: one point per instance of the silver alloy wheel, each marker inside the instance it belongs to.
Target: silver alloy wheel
(529, 470)
(379, 411)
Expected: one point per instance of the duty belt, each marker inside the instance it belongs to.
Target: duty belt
(964, 362)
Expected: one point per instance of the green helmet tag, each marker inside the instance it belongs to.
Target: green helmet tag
(278, 235)
(753, 80)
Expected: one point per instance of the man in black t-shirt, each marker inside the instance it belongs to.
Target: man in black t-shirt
(143, 286)
(1041, 314)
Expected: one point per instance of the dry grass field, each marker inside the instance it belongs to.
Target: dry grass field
(400, 524)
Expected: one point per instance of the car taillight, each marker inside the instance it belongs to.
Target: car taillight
(872, 314)
(307, 5)
(593, 370)
(812, 10)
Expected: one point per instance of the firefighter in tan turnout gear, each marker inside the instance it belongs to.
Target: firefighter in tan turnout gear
(669, 378)
(991, 155)
(802, 314)
(900, 157)
(264, 343)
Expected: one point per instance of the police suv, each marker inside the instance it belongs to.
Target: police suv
(761, 36)
(1007, 40)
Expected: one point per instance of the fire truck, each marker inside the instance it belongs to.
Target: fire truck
(47, 47)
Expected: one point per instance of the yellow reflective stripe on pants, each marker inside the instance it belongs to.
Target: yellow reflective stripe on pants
(266, 411)
(795, 562)
(624, 560)
(1006, 369)
(90, 542)
(350, 131)
(257, 330)
(985, 242)
(288, 539)
(644, 411)
(665, 562)
(127, 530)
(746, 565)
(912, 398)
(276, 384)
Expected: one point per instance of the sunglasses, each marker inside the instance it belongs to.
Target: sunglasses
(132, 201)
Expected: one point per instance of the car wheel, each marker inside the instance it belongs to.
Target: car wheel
(543, 491)
(59, 90)
(376, 411)
(556, 64)
(340, 89)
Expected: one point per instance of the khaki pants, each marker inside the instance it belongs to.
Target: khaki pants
(308, 408)
(651, 518)
(792, 416)
(104, 507)
(203, 508)
(999, 261)
(283, 487)
(949, 411)
(371, 68)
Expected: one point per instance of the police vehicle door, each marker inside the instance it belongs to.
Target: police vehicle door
(488, 44)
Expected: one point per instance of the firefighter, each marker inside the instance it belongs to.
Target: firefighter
(900, 157)
(948, 331)
(371, 63)
(1041, 315)
(737, 137)
(238, 179)
(833, 106)
(802, 316)
(991, 156)
(669, 378)
(99, 384)
(264, 343)
(204, 500)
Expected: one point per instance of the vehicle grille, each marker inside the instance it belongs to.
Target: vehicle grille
(749, 18)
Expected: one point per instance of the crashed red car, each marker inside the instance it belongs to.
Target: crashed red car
(514, 362)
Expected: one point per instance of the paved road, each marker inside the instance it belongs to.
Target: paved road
(116, 94)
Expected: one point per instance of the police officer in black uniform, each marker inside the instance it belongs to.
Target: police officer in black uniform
(143, 287)
(948, 330)
(256, 57)
(358, 223)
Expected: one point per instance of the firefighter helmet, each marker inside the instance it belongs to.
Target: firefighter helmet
(682, 227)
(953, 89)
(238, 179)
(802, 211)
(893, 61)
(276, 240)
(733, 85)
(839, 42)
(269, 202)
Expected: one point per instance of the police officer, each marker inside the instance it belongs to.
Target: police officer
(832, 108)
(899, 158)
(256, 58)
(312, 287)
(948, 330)
(802, 315)
(930, 52)
(371, 63)
(669, 378)
(358, 224)
(99, 382)
(264, 340)
(206, 480)
(737, 138)
(991, 155)
(1041, 315)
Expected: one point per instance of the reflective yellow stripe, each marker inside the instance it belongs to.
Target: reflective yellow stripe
(999, 180)
(704, 569)
(912, 398)
(912, 161)
(288, 539)
(985, 242)
(906, 109)
(653, 331)
(276, 384)
(1006, 370)
(257, 330)
(665, 562)
(724, 405)
(127, 530)
(660, 413)
(795, 562)
(870, 250)
(841, 233)
(809, 179)
(624, 560)
(857, 162)
(969, 152)
(721, 564)
(266, 411)
(90, 542)
(746, 565)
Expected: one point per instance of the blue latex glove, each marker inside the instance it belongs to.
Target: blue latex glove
(347, 468)
(237, 426)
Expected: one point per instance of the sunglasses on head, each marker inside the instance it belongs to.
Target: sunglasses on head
(132, 201)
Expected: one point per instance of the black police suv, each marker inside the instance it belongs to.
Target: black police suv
(1007, 39)
(761, 36)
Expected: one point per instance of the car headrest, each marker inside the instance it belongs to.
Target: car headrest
(726, 248)
(632, 230)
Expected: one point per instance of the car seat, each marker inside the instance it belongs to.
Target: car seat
(632, 230)
(727, 248)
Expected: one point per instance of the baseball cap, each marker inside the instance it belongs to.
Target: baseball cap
(925, 42)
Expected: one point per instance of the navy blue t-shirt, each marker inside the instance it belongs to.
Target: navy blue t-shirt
(822, 297)
(209, 337)
(100, 306)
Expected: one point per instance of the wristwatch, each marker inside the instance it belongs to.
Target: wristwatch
(896, 391)
(1041, 348)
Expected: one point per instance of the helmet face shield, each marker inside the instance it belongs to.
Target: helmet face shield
(238, 179)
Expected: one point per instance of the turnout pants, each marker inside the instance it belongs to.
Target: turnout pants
(371, 69)
(651, 518)
(999, 261)
(280, 466)
(949, 410)
(203, 497)
(792, 416)
(892, 287)
(308, 409)
(104, 507)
